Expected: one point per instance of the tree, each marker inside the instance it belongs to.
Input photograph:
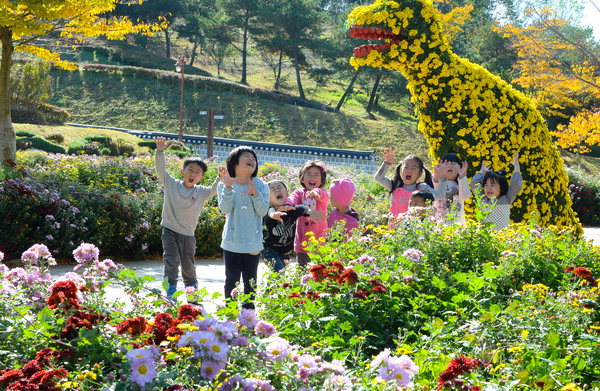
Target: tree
(241, 16)
(25, 21)
(559, 63)
(299, 23)
(194, 21)
(150, 10)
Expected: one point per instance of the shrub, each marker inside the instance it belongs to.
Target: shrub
(56, 138)
(147, 143)
(585, 193)
(42, 144)
(22, 133)
(23, 144)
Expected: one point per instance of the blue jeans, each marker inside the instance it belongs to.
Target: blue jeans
(274, 258)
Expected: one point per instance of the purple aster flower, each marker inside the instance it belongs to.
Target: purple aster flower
(248, 317)
(264, 329)
(413, 255)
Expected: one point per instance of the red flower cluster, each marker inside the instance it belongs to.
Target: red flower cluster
(32, 376)
(583, 273)
(63, 295)
(336, 272)
(164, 326)
(459, 366)
(78, 321)
(133, 326)
(188, 313)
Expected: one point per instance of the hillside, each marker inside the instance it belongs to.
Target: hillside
(150, 100)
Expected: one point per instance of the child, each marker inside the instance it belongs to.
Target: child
(498, 193)
(449, 178)
(342, 192)
(420, 202)
(313, 175)
(183, 203)
(281, 225)
(405, 180)
(243, 199)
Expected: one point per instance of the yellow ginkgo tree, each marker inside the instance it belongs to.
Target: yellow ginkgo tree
(562, 71)
(24, 22)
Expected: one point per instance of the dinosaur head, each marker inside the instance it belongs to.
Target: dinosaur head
(408, 31)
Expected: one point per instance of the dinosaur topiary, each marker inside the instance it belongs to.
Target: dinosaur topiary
(462, 107)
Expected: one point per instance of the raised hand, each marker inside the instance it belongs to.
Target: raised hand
(251, 188)
(462, 171)
(388, 155)
(161, 143)
(439, 171)
(515, 162)
(484, 167)
(225, 178)
(314, 193)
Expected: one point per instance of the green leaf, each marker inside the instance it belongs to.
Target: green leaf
(438, 283)
(476, 284)
(552, 338)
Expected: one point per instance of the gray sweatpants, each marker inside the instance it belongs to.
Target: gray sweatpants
(179, 249)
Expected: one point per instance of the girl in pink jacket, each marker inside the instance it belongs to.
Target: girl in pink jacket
(313, 176)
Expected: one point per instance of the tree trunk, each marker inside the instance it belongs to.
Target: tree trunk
(298, 79)
(348, 90)
(196, 42)
(373, 93)
(168, 42)
(8, 147)
(245, 50)
(278, 76)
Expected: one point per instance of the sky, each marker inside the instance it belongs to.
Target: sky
(591, 16)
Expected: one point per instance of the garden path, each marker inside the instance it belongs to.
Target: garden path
(210, 272)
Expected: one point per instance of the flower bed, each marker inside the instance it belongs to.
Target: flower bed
(419, 307)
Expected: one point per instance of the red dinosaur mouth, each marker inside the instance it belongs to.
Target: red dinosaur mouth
(369, 32)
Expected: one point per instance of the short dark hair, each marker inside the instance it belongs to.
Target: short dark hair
(195, 160)
(451, 157)
(233, 159)
(277, 181)
(310, 164)
(499, 178)
(424, 194)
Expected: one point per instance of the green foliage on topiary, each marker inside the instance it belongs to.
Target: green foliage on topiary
(22, 133)
(42, 144)
(147, 143)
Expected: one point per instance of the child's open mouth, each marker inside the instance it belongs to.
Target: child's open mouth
(408, 177)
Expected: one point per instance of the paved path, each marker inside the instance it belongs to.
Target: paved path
(210, 271)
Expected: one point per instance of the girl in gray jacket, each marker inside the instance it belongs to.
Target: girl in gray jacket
(244, 199)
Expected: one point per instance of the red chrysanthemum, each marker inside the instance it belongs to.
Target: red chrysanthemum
(457, 367)
(569, 269)
(160, 329)
(63, 294)
(338, 266)
(582, 272)
(134, 326)
(349, 276)
(188, 312)
(46, 378)
(361, 294)
(31, 367)
(379, 289)
(10, 375)
(318, 272)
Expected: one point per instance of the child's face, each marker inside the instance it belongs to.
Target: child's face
(491, 188)
(417, 202)
(278, 194)
(410, 172)
(417, 207)
(312, 178)
(452, 173)
(246, 164)
(192, 175)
